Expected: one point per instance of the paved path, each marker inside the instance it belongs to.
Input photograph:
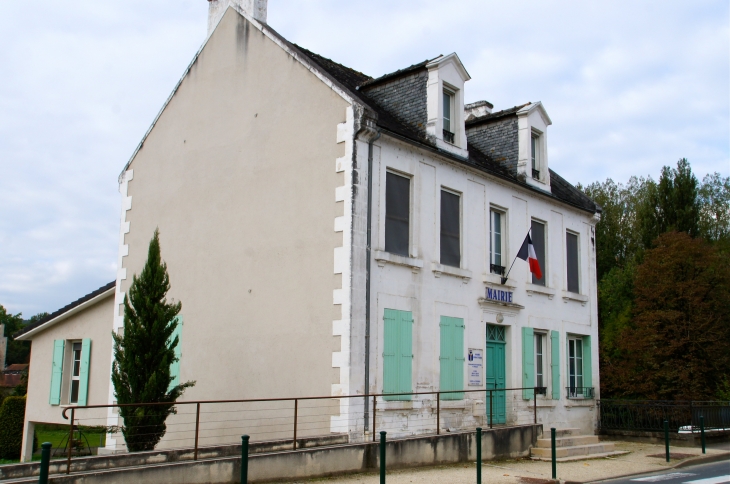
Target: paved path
(525, 471)
(715, 473)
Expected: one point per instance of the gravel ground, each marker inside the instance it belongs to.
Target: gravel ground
(511, 471)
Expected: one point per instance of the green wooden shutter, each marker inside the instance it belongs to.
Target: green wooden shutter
(175, 365)
(57, 371)
(528, 362)
(458, 357)
(452, 357)
(555, 363)
(446, 358)
(390, 347)
(406, 354)
(397, 353)
(587, 363)
(84, 371)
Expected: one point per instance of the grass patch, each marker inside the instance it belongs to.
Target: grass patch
(58, 434)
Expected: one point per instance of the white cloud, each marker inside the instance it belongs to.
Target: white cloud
(630, 86)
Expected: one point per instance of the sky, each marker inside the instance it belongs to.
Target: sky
(630, 86)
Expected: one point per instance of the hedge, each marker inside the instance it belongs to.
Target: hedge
(12, 414)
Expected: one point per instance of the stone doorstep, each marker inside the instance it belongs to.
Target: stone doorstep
(563, 432)
(569, 441)
(574, 450)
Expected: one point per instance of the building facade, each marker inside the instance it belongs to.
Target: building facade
(329, 233)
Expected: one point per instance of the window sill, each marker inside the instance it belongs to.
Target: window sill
(537, 289)
(546, 402)
(394, 404)
(439, 269)
(580, 402)
(496, 279)
(382, 257)
(451, 148)
(452, 404)
(571, 296)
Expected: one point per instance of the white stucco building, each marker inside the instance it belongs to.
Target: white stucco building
(358, 225)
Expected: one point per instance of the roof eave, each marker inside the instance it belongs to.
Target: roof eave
(51, 322)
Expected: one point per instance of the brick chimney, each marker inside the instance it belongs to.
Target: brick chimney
(253, 8)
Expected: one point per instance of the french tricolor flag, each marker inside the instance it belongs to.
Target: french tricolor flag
(527, 252)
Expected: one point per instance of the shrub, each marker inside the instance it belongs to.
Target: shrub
(12, 414)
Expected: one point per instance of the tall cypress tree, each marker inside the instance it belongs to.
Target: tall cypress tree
(144, 352)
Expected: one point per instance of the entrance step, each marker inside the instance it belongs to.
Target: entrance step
(570, 445)
(566, 432)
(583, 457)
(571, 441)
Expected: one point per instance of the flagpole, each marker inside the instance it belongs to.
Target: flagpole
(504, 277)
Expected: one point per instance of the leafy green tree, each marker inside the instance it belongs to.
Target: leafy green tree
(714, 212)
(675, 344)
(17, 351)
(144, 352)
(634, 216)
(37, 317)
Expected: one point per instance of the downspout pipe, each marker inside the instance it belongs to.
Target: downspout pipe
(370, 133)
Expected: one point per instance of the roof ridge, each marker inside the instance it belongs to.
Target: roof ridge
(496, 114)
(399, 72)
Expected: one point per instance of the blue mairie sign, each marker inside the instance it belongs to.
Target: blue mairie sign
(500, 296)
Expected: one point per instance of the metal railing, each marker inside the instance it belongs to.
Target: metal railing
(449, 137)
(221, 422)
(649, 415)
(497, 269)
(579, 393)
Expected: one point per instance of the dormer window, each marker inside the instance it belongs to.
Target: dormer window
(448, 107)
(535, 152)
(532, 160)
(445, 104)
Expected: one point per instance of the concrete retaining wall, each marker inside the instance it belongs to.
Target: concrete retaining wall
(324, 461)
(115, 461)
(676, 439)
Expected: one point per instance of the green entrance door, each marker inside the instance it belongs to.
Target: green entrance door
(496, 373)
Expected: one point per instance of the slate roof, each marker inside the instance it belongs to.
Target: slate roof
(399, 72)
(66, 308)
(354, 80)
(494, 116)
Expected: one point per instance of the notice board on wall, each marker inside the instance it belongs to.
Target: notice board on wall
(475, 365)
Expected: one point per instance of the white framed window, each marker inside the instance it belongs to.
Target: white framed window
(450, 239)
(75, 372)
(397, 213)
(535, 149)
(449, 121)
(540, 359)
(575, 366)
(571, 262)
(497, 241)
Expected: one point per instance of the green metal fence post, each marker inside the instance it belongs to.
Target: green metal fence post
(479, 455)
(552, 446)
(382, 457)
(244, 459)
(45, 462)
(702, 432)
(666, 438)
